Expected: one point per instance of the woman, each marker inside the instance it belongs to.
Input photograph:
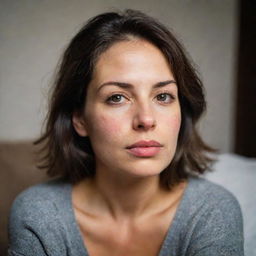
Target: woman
(121, 135)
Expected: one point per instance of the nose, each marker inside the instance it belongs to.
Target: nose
(144, 118)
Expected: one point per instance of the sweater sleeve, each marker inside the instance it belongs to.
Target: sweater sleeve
(219, 229)
(23, 237)
(34, 228)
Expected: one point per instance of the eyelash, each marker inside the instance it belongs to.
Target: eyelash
(172, 97)
(109, 99)
(111, 102)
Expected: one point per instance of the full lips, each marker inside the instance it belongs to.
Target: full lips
(144, 151)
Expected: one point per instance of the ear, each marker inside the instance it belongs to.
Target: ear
(79, 124)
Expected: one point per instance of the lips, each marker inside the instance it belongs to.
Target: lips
(145, 148)
(144, 143)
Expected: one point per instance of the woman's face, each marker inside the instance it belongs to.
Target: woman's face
(132, 112)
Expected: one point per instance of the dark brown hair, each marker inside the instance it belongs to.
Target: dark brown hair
(71, 156)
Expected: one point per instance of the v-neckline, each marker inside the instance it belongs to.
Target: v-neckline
(74, 226)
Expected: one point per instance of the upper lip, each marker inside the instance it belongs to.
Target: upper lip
(145, 143)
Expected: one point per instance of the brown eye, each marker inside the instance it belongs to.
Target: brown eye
(115, 99)
(165, 97)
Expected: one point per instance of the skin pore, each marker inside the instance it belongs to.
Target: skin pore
(132, 98)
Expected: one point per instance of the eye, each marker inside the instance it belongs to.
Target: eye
(165, 97)
(116, 99)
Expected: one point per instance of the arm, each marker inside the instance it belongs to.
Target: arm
(24, 238)
(25, 243)
(35, 226)
(219, 230)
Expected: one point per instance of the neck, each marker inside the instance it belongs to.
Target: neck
(128, 197)
(124, 198)
(121, 198)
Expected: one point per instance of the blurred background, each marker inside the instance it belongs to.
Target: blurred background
(219, 36)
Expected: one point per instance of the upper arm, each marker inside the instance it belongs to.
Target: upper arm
(23, 236)
(35, 226)
(219, 230)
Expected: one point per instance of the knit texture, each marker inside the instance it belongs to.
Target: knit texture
(208, 222)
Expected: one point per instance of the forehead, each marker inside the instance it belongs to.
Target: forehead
(132, 59)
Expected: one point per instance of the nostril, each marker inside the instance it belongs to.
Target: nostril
(145, 125)
(144, 120)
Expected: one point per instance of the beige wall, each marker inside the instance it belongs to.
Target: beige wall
(34, 33)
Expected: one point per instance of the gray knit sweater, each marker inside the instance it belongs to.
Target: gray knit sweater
(208, 222)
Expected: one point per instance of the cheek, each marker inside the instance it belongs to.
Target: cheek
(174, 123)
(105, 127)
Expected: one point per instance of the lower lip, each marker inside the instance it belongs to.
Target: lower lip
(144, 151)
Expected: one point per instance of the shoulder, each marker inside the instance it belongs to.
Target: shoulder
(39, 198)
(214, 220)
(213, 196)
(214, 203)
(36, 214)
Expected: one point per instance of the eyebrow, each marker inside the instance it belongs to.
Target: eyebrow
(129, 86)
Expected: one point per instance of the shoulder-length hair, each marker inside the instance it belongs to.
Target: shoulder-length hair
(71, 156)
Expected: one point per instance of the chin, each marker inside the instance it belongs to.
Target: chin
(146, 170)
